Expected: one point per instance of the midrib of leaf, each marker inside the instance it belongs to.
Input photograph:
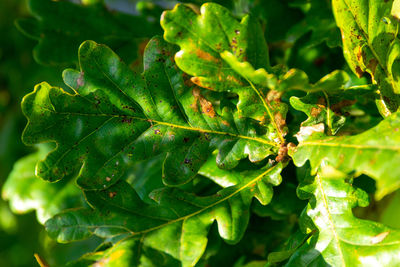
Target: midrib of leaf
(195, 129)
(256, 179)
(328, 112)
(266, 106)
(331, 223)
(368, 41)
(209, 206)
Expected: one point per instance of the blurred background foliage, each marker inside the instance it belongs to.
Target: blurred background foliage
(300, 34)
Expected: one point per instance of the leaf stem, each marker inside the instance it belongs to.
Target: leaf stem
(328, 113)
(267, 107)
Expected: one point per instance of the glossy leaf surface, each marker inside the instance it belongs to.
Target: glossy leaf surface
(126, 253)
(374, 152)
(329, 110)
(26, 192)
(180, 221)
(370, 44)
(117, 117)
(211, 54)
(341, 238)
(188, 162)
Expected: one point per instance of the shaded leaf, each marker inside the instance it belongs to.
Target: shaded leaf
(296, 79)
(26, 192)
(126, 253)
(61, 26)
(318, 20)
(178, 224)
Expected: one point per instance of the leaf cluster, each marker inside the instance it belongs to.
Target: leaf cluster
(234, 138)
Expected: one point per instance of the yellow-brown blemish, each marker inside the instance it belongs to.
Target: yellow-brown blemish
(372, 65)
(315, 111)
(359, 72)
(206, 56)
(280, 121)
(321, 102)
(206, 106)
(197, 81)
(274, 95)
(233, 79)
(225, 123)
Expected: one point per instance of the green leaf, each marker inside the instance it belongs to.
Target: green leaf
(328, 108)
(295, 241)
(117, 117)
(213, 36)
(374, 152)
(26, 192)
(339, 238)
(177, 224)
(126, 253)
(246, 70)
(370, 44)
(296, 79)
(61, 26)
(145, 176)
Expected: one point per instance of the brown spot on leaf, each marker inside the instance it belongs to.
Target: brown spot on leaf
(206, 56)
(315, 111)
(231, 78)
(197, 81)
(206, 106)
(321, 101)
(359, 72)
(274, 95)
(280, 121)
(112, 194)
(372, 161)
(282, 153)
(127, 120)
(225, 123)
(372, 65)
(186, 80)
(291, 146)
